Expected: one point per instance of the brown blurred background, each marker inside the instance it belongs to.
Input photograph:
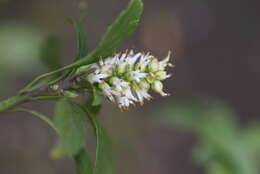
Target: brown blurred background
(216, 47)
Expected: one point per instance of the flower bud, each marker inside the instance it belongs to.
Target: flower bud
(157, 86)
(144, 85)
(153, 66)
(82, 70)
(55, 87)
(121, 69)
(70, 94)
(161, 75)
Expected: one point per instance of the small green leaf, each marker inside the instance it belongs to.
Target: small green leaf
(83, 163)
(51, 52)
(70, 121)
(123, 26)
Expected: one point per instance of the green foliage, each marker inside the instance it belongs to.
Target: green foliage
(223, 146)
(103, 163)
(80, 30)
(19, 49)
(83, 163)
(70, 121)
(51, 52)
(123, 26)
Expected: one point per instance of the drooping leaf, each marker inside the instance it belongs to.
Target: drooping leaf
(70, 121)
(51, 52)
(83, 163)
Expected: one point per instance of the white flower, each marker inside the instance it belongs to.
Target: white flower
(123, 102)
(127, 77)
(142, 94)
(96, 78)
(107, 91)
(137, 75)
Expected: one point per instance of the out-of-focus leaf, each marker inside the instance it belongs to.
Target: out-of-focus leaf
(252, 135)
(223, 147)
(3, 86)
(80, 30)
(123, 26)
(83, 163)
(51, 52)
(104, 162)
(19, 49)
(70, 121)
(183, 113)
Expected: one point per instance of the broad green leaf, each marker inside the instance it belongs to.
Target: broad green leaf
(70, 121)
(83, 163)
(123, 26)
(103, 163)
(51, 52)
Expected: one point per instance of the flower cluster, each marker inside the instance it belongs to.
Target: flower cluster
(127, 77)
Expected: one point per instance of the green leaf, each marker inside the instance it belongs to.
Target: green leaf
(70, 121)
(80, 30)
(123, 26)
(83, 163)
(103, 163)
(51, 52)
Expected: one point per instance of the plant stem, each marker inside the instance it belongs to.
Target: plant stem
(42, 98)
(91, 58)
(11, 102)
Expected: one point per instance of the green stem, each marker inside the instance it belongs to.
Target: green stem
(42, 98)
(38, 115)
(11, 102)
(84, 61)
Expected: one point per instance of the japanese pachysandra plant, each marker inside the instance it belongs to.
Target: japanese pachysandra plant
(125, 78)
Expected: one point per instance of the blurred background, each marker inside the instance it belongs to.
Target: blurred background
(209, 123)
